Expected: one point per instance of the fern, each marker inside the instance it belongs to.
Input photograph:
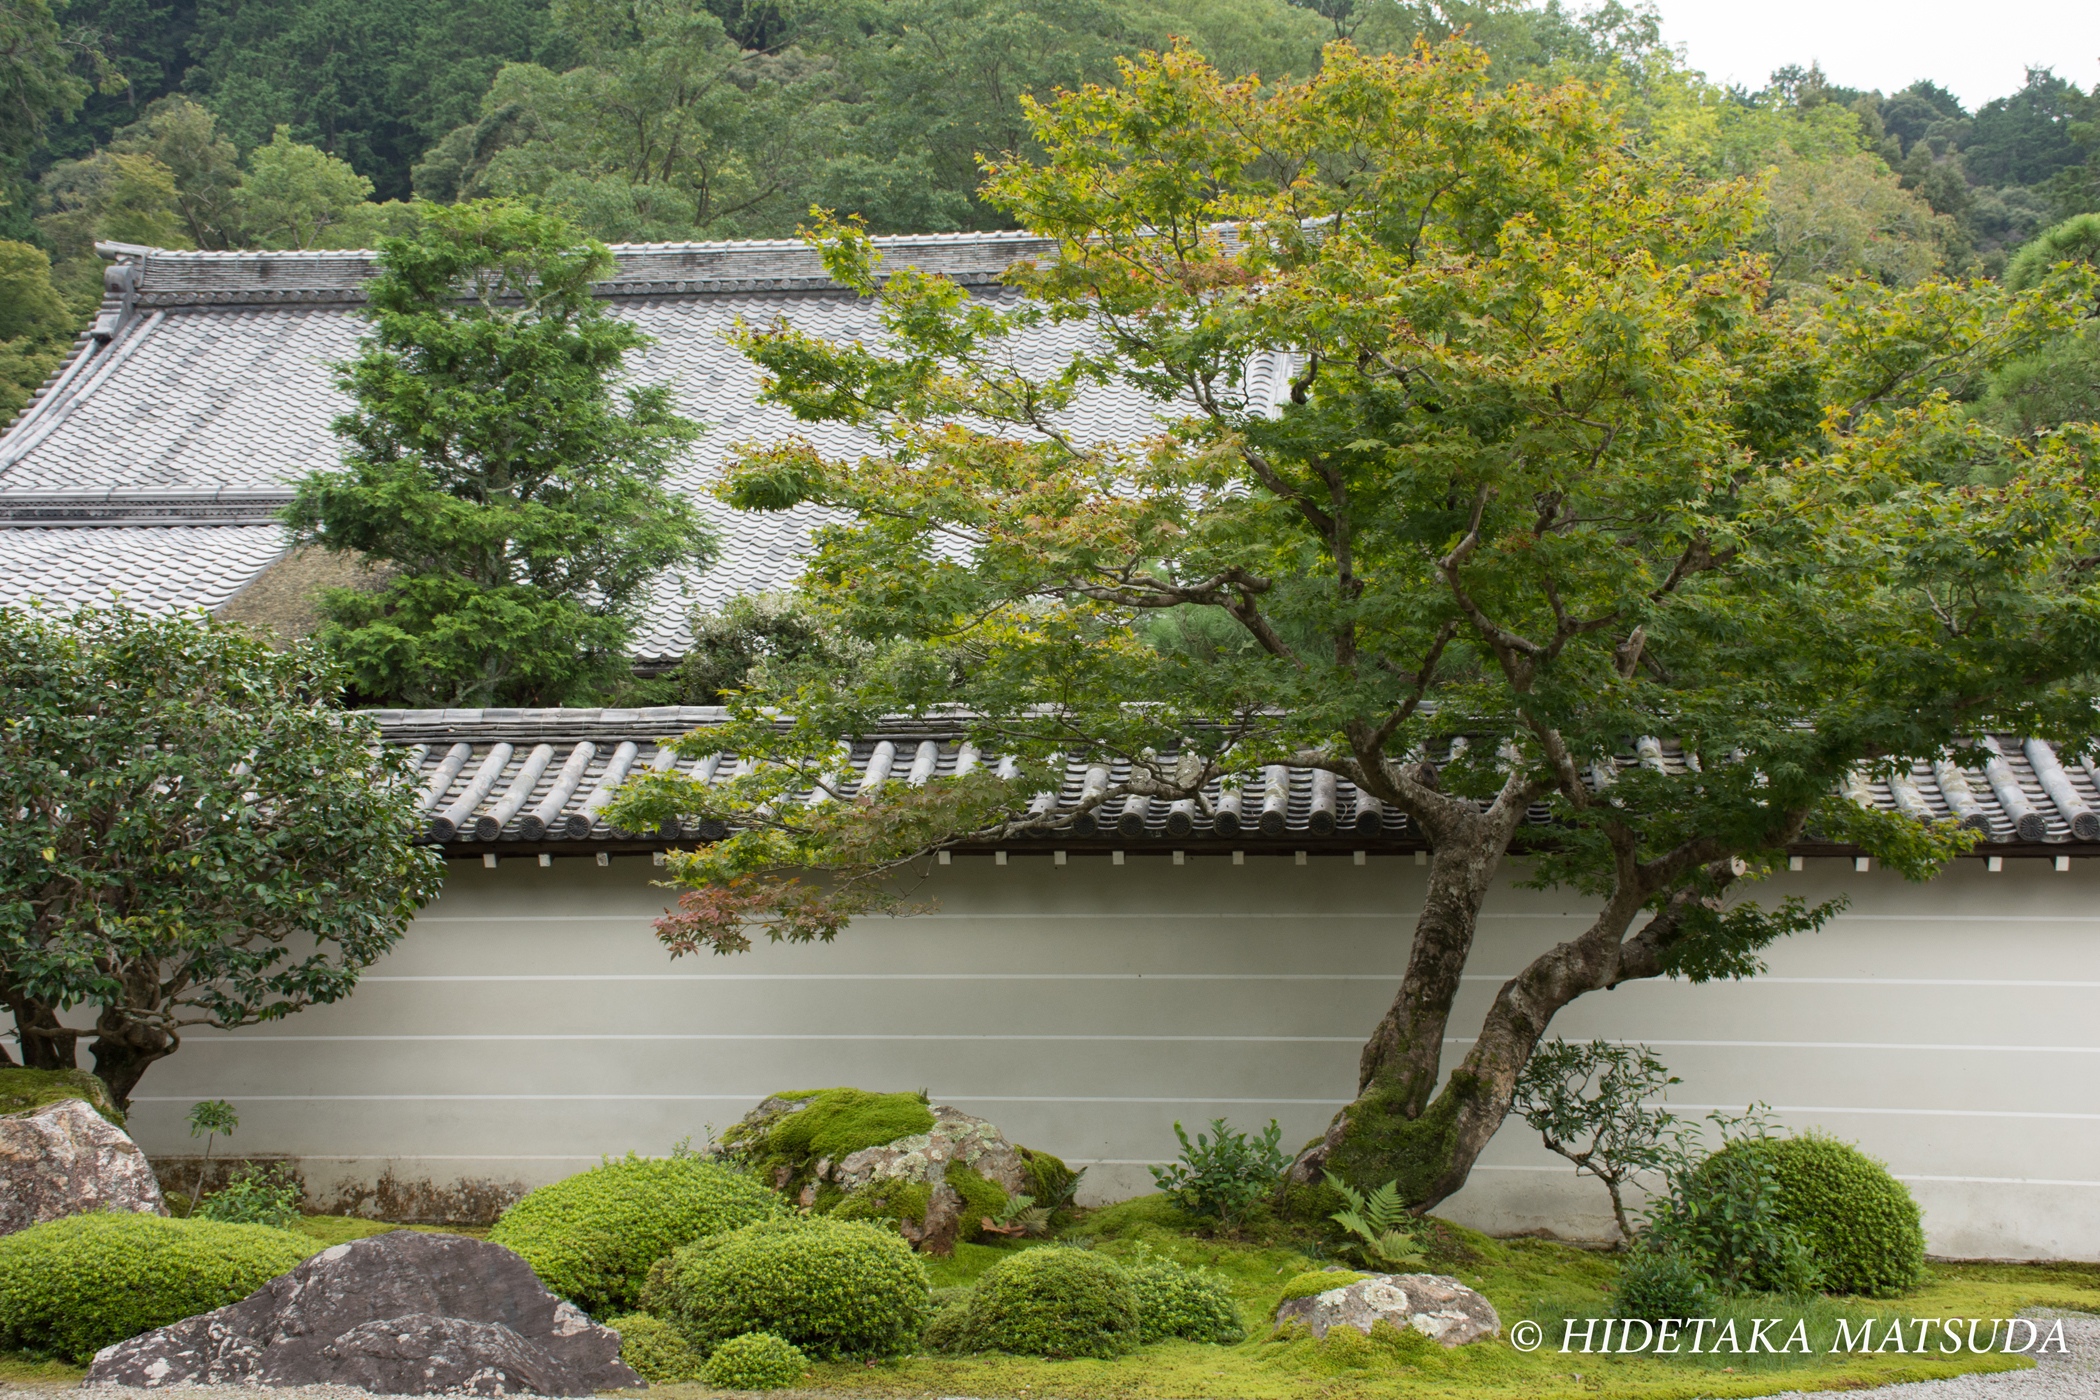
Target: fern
(1379, 1221)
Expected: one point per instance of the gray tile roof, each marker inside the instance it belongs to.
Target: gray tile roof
(155, 568)
(216, 392)
(503, 777)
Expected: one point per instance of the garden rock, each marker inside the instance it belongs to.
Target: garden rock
(954, 1137)
(64, 1159)
(1432, 1304)
(402, 1313)
(941, 1228)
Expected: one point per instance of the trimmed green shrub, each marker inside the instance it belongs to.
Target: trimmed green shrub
(1056, 1302)
(71, 1287)
(1860, 1223)
(592, 1237)
(656, 1351)
(1653, 1286)
(948, 1329)
(1192, 1304)
(833, 1287)
(755, 1361)
(1312, 1285)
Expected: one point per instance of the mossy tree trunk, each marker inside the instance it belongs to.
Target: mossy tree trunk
(46, 1042)
(1400, 1128)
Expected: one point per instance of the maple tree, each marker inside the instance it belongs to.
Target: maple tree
(1550, 475)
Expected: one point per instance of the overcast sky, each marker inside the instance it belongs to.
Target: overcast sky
(1977, 51)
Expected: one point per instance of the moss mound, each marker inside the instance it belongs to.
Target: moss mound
(71, 1287)
(592, 1237)
(756, 1361)
(656, 1351)
(1862, 1225)
(832, 1287)
(789, 1133)
(26, 1090)
(1053, 1302)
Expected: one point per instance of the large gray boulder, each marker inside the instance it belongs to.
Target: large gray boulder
(1434, 1305)
(402, 1313)
(65, 1158)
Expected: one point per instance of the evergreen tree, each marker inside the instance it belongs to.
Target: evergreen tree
(513, 503)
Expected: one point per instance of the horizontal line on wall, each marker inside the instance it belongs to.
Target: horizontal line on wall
(1896, 1112)
(892, 977)
(237, 1097)
(1826, 1045)
(1297, 917)
(262, 1039)
(1388, 977)
(1202, 1039)
(1994, 1180)
(1900, 1176)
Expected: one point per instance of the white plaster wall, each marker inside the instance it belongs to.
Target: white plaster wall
(530, 1022)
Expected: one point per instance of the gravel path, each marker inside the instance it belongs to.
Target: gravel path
(2054, 1377)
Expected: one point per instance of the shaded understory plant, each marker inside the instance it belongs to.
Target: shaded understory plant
(1223, 1174)
(1379, 1222)
(1592, 1104)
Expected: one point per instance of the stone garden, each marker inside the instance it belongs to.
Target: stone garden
(857, 1242)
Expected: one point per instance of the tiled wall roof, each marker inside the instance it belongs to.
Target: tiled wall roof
(502, 777)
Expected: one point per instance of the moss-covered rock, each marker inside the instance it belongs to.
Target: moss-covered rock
(26, 1090)
(1312, 1285)
(823, 1149)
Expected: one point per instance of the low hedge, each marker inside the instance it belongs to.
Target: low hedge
(71, 1287)
(832, 1287)
(592, 1237)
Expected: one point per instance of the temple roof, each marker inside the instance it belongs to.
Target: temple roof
(175, 429)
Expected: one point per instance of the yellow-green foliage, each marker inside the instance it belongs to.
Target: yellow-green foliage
(833, 1287)
(1192, 1304)
(1314, 1284)
(656, 1351)
(26, 1090)
(756, 1361)
(71, 1287)
(1053, 1301)
(592, 1237)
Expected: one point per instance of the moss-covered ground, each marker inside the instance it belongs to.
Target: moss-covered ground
(1533, 1279)
(1524, 1278)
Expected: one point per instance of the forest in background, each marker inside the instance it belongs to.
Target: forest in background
(222, 124)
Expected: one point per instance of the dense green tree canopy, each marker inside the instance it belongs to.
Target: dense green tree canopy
(1551, 473)
(512, 495)
(199, 834)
